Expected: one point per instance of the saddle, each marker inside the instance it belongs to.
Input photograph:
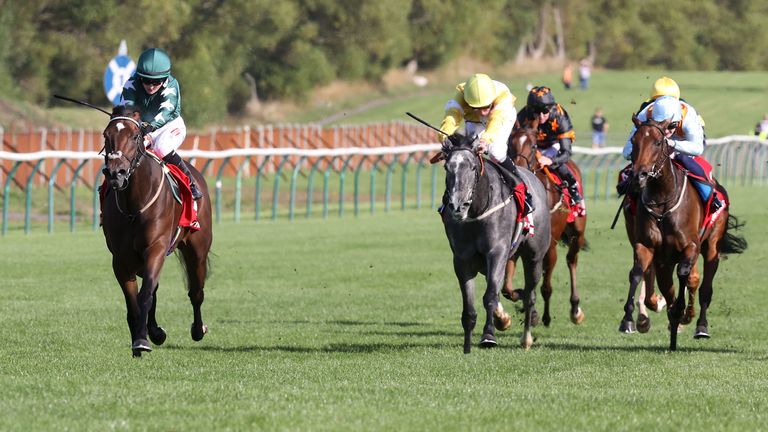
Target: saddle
(574, 210)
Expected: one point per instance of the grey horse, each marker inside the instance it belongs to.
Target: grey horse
(480, 222)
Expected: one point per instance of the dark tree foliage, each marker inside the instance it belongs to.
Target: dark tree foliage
(227, 52)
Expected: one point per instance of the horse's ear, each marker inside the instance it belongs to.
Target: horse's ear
(517, 125)
(136, 115)
(636, 120)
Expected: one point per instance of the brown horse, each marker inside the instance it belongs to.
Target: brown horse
(667, 229)
(522, 148)
(140, 220)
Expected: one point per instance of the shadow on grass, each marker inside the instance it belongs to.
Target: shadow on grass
(330, 348)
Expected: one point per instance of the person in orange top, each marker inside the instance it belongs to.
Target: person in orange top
(555, 135)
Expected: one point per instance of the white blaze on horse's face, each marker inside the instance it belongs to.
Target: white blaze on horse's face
(460, 182)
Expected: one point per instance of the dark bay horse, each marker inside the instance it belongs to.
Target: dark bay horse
(566, 228)
(480, 223)
(667, 229)
(140, 219)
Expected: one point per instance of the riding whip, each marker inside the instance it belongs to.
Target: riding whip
(81, 103)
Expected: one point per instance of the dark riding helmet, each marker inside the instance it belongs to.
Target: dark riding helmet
(154, 63)
(540, 99)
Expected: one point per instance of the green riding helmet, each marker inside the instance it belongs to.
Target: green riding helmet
(154, 63)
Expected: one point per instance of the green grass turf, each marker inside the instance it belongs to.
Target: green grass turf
(353, 324)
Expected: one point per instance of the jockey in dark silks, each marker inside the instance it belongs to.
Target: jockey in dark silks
(686, 136)
(555, 136)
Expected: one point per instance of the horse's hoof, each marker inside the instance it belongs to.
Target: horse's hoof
(702, 332)
(198, 333)
(513, 295)
(502, 322)
(141, 345)
(643, 323)
(627, 326)
(488, 341)
(535, 321)
(157, 335)
(688, 317)
(526, 341)
(136, 353)
(660, 303)
(578, 318)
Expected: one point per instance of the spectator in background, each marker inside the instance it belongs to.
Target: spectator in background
(585, 73)
(567, 76)
(599, 128)
(761, 129)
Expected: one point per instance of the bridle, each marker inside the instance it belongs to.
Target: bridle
(134, 163)
(530, 159)
(655, 172)
(479, 173)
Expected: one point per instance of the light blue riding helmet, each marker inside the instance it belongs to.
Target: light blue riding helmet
(666, 108)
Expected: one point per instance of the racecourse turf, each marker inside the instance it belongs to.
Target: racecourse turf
(353, 324)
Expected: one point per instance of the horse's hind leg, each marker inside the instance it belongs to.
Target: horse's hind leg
(196, 265)
(693, 286)
(550, 259)
(677, 312)
(711, 263)
(647, 299)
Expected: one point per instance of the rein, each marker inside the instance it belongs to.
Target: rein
(488, 211)
(134, 164)
(656, 173)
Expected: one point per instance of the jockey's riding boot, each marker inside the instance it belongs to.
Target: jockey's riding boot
(716, 203)
(175, 159)
(512, 177)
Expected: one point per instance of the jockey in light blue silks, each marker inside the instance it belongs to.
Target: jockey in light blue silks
(686, 136)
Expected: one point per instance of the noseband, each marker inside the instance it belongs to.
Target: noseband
(658, 165)
(117, 154)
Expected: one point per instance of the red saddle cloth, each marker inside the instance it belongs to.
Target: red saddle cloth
(574, 210)
(188, 217)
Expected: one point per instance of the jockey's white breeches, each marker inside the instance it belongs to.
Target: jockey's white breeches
(169, 137)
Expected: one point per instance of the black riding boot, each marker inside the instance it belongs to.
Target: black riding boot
(175, 159)
(573, 187)
(513, 178)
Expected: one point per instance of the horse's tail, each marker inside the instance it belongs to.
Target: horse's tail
(733, 243)
(183, 264)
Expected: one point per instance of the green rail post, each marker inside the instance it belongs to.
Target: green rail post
(223, 165)
(51, 185)
(28, 196)
(259, 176)
(73, 187)
(310, 178)
(239, 187)
(434, 187)
(372, 191)
(276, 189)
(96, 207)
(357, 185)
(419, 166)
(6, 193)
(342, 177)
(326, 193)
(292, 196)
(388, 184)
(404, 185)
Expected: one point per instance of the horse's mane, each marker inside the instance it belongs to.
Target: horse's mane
(124, 111)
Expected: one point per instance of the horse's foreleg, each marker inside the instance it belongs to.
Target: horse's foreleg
(577, 243)
(156, 333)
(468, 314)
(130, 290)
(643, 257)
(153, 259)
(550, 259)
(495, 266)
(533, 272)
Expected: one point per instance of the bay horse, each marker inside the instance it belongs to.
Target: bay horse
(480, 219)
(667, 228)
(567, 228)
(140, 220)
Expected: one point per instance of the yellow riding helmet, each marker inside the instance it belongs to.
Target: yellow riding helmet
(665, 86)
(479, 91)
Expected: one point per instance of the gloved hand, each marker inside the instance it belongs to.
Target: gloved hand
(146, 128)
